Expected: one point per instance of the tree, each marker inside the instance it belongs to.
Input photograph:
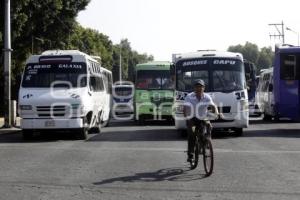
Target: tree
(265, 58)
(129, 59)
(250, 51)
(37, 25)
(262, 58)
(237, 48)
(93, 43)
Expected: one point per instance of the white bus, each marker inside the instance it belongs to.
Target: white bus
(108, 99)
(64, 89)
(123, 93)
(224, 76)
(265, 96)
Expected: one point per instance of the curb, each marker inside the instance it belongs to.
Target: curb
(4, 131)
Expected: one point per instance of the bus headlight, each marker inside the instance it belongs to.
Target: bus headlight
(130, 101)
(78, 108)
(75, 106)
(179, 108)
(25, 107)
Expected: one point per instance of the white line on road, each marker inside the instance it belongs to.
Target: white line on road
(217, 150)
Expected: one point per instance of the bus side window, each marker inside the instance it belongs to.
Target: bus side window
(270, 89)
(288, 67)
(82, 81)
(92, 83)
(100, 85)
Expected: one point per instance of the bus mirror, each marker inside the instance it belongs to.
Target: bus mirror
(270, 87)
(248, 88)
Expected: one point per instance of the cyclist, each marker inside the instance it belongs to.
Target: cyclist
(196, 104)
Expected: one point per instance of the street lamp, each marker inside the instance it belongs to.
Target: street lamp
(287, 28)
(7, 66)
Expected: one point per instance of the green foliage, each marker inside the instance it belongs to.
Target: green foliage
(266, 58)
(93, 43)
(250, 51)
(39, 25)
(129, 58)
(261, 58)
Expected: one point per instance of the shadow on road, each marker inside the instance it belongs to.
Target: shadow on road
(284, 133)
(138, 135)
(281, 121)
(124, 123)
(16, 137)
(170, 174)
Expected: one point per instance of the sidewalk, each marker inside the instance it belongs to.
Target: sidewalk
(9, 130)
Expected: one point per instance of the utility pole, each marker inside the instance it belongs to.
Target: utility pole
(280, 34)
(120, 67)
(7, 67)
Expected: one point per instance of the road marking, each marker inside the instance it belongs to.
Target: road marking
(257, 151)
(161, 149)
(215, 150)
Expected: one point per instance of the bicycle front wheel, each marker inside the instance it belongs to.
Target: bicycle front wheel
(194, 161)
(208, 157)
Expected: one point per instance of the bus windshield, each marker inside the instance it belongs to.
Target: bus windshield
(154, 79)
(43, 75)
(123, 91)
(219, 75)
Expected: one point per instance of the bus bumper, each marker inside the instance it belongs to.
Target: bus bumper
(51, 123)
(123, 109)
(240, 121)
(155, 113)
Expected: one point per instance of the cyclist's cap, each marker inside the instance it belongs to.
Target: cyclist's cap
(199, 82)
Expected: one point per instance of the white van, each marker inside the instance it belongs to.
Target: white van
(264, 94)
(64, 89)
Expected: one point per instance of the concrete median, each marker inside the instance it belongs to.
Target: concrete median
(9, 130)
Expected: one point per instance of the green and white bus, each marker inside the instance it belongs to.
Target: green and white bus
(154, 91)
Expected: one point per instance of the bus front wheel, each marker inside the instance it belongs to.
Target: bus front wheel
(141, 120)
(83, 133)
(27, 134)
(267, 117)
(238, 132)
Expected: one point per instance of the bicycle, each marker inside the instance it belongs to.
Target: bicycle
(203, 145)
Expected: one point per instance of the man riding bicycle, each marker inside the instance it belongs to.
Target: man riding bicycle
(195, 110)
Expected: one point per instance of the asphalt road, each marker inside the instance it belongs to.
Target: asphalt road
(127, 161)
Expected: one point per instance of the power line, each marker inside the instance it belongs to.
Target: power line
(280, 33)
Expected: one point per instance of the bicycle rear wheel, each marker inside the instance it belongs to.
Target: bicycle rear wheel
(208, 157)
(194, 161)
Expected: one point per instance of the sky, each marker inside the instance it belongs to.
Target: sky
(164, 27)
